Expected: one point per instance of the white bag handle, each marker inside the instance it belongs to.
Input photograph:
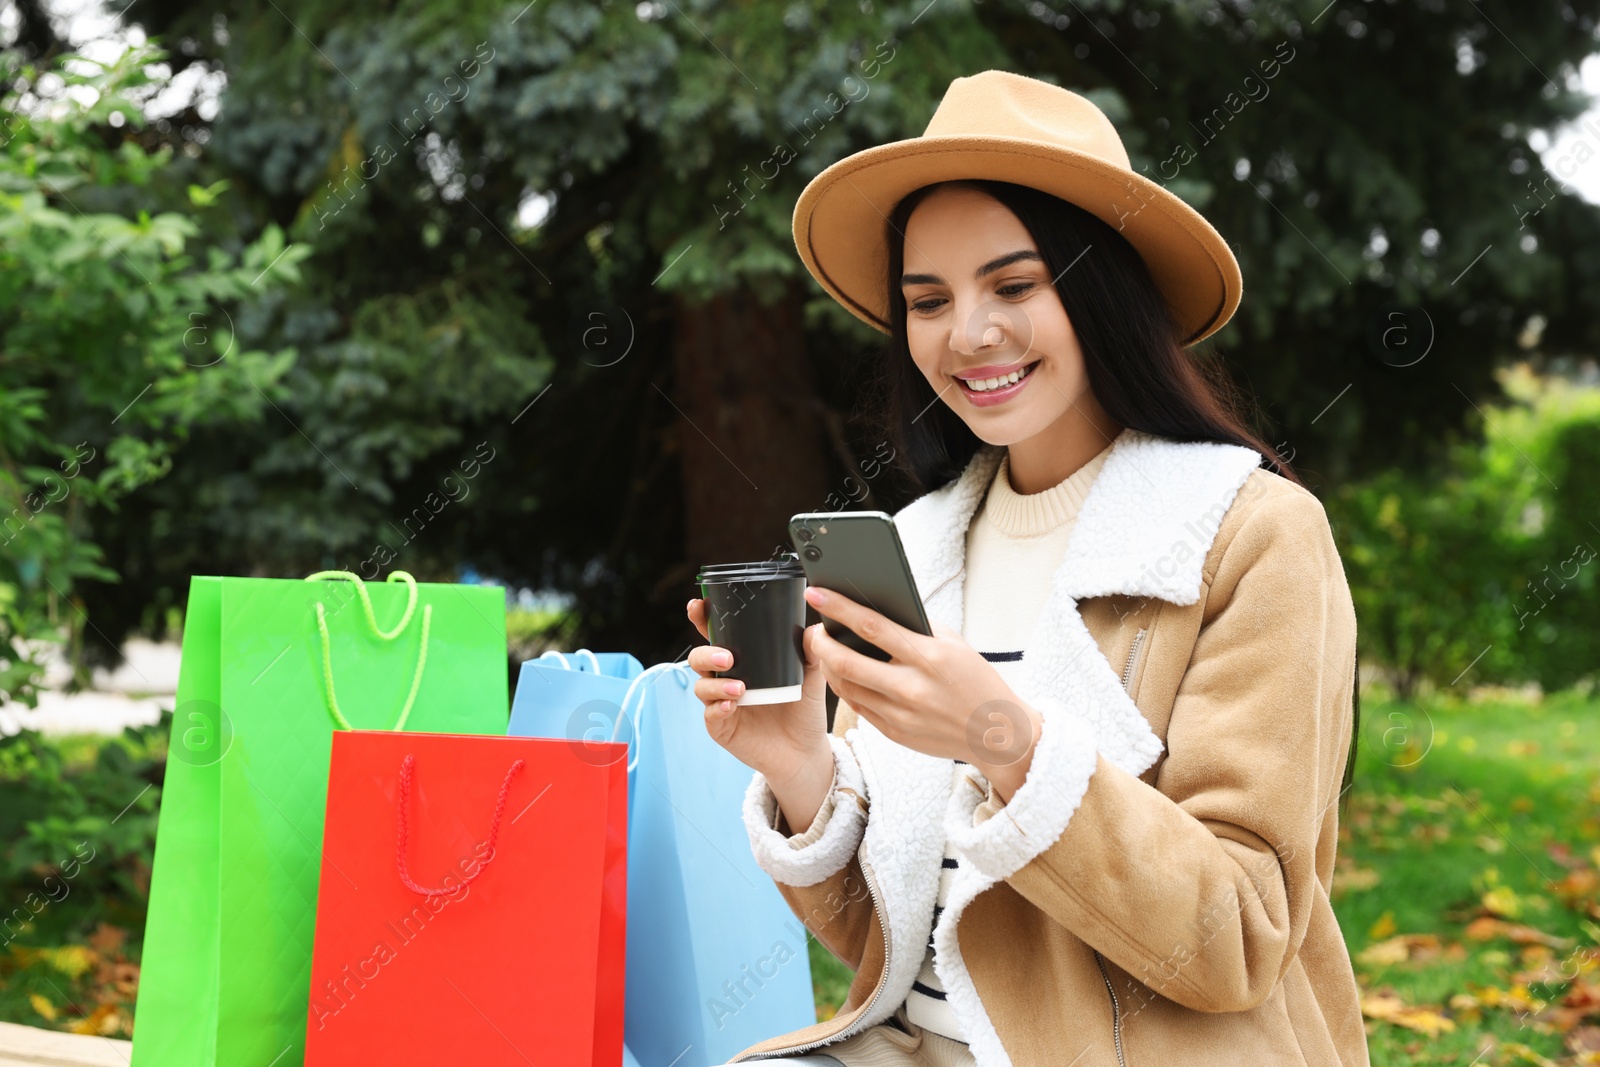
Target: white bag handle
(685, 675)
(594, 661)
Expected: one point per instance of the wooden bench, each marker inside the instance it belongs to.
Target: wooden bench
(24, 1046)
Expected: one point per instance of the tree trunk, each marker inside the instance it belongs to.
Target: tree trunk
(753, 450)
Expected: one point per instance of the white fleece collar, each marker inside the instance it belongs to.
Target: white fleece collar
(1144, 530)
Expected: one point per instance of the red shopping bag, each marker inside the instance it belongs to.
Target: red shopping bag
(472, 903)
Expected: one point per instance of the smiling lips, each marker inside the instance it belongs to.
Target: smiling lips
(994, 384)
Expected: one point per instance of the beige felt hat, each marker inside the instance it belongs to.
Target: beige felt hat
(1008, 127)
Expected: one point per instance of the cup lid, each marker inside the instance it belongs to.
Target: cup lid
(786, 566)
(784, 560)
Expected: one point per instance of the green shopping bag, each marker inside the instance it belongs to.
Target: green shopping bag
(270, 669)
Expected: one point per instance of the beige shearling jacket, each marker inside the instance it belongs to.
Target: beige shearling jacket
(1156, 892)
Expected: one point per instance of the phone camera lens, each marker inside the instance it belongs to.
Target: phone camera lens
(804, 533)
(813, 553)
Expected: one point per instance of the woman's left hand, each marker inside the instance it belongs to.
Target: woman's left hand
(936, 695)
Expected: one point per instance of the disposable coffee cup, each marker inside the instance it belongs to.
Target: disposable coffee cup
(757, 611)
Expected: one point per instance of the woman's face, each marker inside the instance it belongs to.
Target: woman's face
(981, 306)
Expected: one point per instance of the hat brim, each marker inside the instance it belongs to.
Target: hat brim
(840, 220)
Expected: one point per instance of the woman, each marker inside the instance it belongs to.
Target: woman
(1092, 819)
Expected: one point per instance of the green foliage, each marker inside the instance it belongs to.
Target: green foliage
(1492, 563)
(1550, 438)
(667, 144)
(112, 302)
(1419, 551)
(78, 822)
(77, 839)
(530, 631)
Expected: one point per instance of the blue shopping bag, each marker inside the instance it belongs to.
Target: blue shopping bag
(716, 959)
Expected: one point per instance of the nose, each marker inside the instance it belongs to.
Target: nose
(984, 326)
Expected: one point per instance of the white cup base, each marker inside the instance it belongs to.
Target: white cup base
(778, 694)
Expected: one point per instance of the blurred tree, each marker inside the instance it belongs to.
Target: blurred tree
(34, 37)
(593, 199)
(109, 300)
(1485, 571)
(1429, 574)
(1543, 448)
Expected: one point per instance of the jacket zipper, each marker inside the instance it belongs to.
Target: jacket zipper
(872, 891)
(1133, 652)
(1116, 1008)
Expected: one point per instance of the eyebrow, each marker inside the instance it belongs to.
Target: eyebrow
(983, 271)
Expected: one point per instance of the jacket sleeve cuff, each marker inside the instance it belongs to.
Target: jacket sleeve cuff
(1000, 838)
(835, 833)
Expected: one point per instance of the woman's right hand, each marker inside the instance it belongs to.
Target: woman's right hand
(788, 743)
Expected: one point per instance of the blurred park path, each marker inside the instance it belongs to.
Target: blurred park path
(132, 695)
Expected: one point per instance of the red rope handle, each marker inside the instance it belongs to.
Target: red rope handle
(494, 829)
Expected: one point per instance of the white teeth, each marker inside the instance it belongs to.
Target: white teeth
(983, 385)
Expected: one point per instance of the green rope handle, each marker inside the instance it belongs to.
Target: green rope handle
(372, 621)
(366, 601)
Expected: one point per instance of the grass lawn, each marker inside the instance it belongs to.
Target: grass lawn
(1466, 884)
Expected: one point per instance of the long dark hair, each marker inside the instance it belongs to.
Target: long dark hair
(1138, 370)
(1137, 366)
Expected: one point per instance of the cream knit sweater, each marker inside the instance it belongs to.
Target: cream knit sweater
(1015, 542)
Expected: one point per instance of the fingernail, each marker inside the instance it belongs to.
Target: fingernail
(727, 707)
(721, 659)
(733, 689)
(814, 594)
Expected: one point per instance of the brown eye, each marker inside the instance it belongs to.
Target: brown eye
(1016, 289)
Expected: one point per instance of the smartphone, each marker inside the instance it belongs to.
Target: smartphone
(858, 554)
